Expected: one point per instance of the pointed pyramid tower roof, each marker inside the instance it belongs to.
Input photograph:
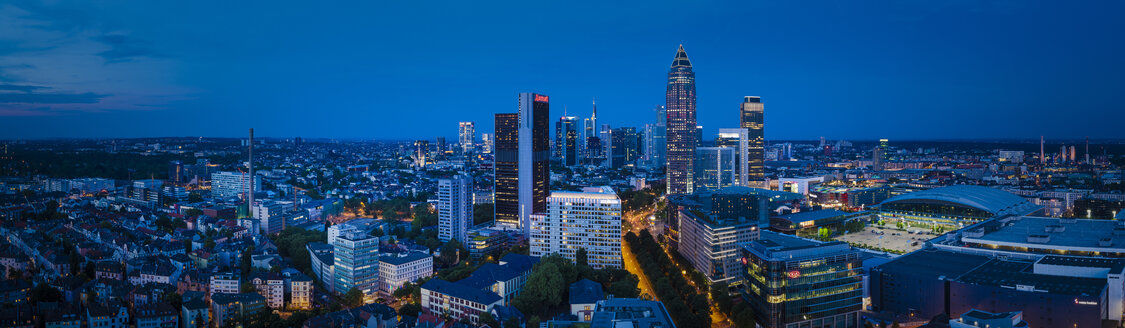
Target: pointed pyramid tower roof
(681, 58)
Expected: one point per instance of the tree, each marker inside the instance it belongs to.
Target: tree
(406, 290)
(246, 260)
(353, 298)
(625, 288)
(580, 257)
(512, 322)
(483, 213)
(451, 252)
(720, 292)
(543, 290)
(410, 309)
(533, 321)
(488, 320)
(175, 299)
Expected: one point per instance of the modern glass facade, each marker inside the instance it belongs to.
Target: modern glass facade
(534, 156)
(714, 167)
(796, 283)
(753, 120)
(507, 170)
(566, 140)
(356, 264)
(681, 130)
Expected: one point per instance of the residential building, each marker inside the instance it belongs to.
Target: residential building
(111, 315)
(224, 283)
(455, 207)
(271, 286)
(485, 242)
(157, 315)
(590, 219)
(584, 297)
(322, 258)
(505, 278)
(300, 292)
(194, 312)
(234, 309)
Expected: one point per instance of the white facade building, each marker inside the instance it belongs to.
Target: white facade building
(232, 184)
(590, 219)
(455, 207)
(396, 270)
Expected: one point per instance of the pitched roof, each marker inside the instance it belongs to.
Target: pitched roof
(461, 291)
(585, 291)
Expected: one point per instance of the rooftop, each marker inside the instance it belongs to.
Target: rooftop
(995, 201)
(403, 258)
(461, 291)
(813, 215)
(1062, 234)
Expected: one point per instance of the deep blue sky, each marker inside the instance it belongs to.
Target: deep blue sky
(413, 69)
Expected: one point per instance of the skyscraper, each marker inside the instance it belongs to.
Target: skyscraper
(486, 143)
(590, 219)
(680, 105)
(421, 152)
(739, 139)
(714, 167)
(589, 132)
(506, 198)
(465, 133)
(655, 143)
(753, 120)
(566, 140)
(534, 156)
(455, 207)
(523, 149)
(624, 147)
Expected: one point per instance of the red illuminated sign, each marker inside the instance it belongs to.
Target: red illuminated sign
(794, 274)
(540, 98)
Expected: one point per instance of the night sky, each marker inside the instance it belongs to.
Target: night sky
(413, 69)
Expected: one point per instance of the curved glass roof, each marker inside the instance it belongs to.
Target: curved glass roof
(995, 201)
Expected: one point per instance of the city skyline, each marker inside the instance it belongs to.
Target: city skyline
(129, 77)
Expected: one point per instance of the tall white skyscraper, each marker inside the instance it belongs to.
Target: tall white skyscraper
(465, 134)
(589, 219)
(455, 208)
(356, 263)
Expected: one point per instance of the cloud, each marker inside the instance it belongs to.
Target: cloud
(124, 48)
(50, 98)
(20, 88)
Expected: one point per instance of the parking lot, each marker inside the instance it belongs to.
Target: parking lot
(890, 238)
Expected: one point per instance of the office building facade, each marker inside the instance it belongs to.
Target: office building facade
(681, 133)
(356, 263)
(793, 282)
(714, 167)
(232, 184)
(739, 140)
(753, 120)
(506, 170)
(590, 219)
(566, 140)
(455, 207)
